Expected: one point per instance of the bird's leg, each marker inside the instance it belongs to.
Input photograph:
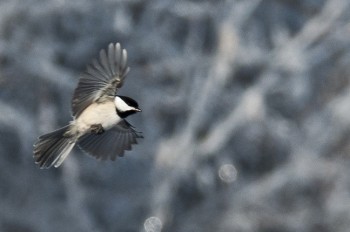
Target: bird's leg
(97, 129)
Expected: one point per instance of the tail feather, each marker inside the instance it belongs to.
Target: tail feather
(51, 149)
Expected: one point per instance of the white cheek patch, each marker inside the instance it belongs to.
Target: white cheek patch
(121, 105)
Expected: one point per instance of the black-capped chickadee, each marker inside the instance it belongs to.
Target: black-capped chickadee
(98, 126)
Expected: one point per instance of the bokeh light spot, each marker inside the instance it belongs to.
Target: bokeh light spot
(153, 224)
(228, 173)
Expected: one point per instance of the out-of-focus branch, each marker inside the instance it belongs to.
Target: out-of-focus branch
(76, 196)
(17, 119)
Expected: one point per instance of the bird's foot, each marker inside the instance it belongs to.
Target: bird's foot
(97, 129)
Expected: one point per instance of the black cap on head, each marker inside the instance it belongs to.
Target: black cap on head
(130, 102)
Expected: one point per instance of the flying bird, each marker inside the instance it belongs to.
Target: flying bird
(98, 127)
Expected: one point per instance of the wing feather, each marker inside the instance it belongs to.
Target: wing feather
(100, 69)
(97, 74)
(102, 79)
(111, 143)
(111, 58)
(117, 56)
(117, 147)
(104, 62)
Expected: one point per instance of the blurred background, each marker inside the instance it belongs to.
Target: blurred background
(246, 115)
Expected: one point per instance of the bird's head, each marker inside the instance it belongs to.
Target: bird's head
(126, 106)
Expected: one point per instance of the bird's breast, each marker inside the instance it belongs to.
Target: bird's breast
(97, 113)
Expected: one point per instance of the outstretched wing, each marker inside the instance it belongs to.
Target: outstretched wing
(111, 143)
(102, 78)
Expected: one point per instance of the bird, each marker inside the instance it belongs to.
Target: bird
(99, 126)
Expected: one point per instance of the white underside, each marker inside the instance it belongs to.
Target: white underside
(97, 113)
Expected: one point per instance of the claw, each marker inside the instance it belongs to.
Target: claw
(97, 129)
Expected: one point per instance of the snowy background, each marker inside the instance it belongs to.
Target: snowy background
(246, 115)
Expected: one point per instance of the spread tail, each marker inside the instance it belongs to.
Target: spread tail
(51, 149)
